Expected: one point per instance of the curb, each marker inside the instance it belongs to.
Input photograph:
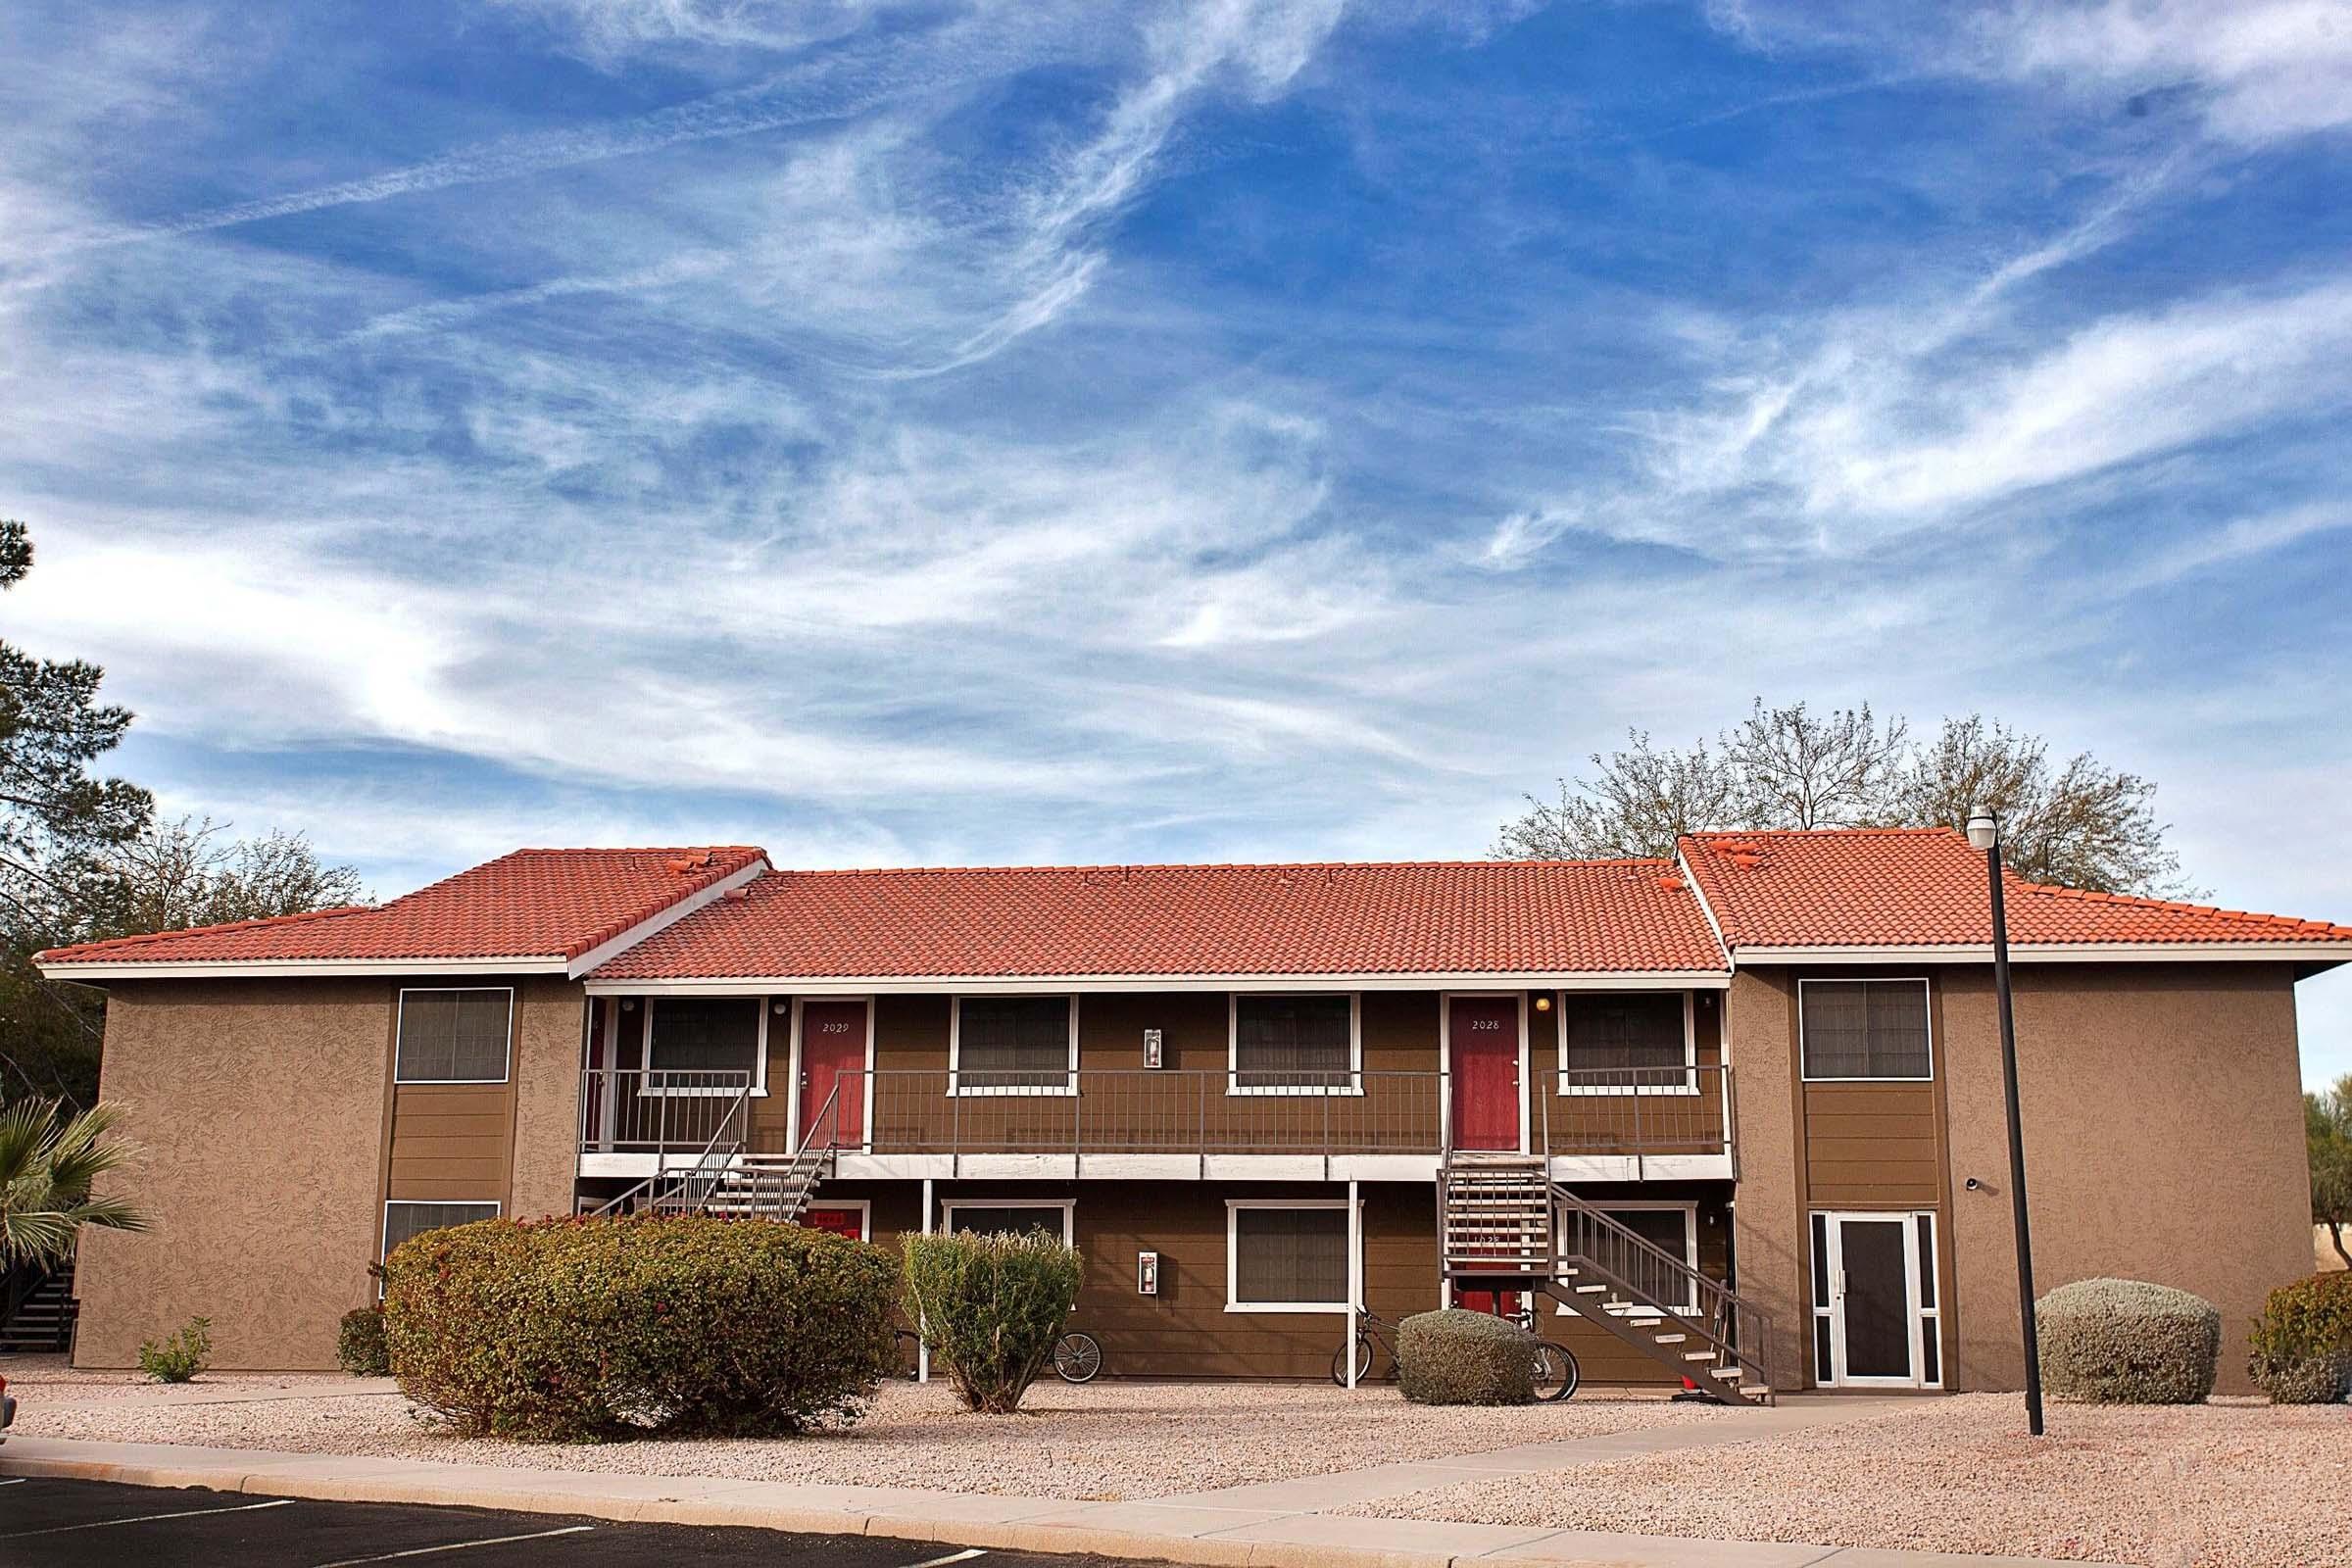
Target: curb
(1004, 1536)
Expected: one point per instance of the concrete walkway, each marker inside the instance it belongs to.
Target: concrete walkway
(1277, 1524)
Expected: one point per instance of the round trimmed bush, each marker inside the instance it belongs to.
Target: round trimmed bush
(991, 1307)
(2301, 1350)
(2126, 1341)
(1457, 1357)
(592, 1329)
(360, 1343)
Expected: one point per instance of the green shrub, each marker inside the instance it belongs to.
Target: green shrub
(181, 1357)
(1458, 1358)
(2302, 1344)
(360, 1343)
(2126, 1341)
(591, 1328)
(991, 1307)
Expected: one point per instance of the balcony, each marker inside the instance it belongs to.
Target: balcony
(1146, 1124)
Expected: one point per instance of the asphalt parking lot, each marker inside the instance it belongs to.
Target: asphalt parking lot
(94, 1524)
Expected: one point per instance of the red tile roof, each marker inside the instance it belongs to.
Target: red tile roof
(538, 904)
(1924, 887)
(1476, 918)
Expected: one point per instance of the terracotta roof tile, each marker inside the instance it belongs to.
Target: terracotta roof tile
(545, 904)
(1924, 887)
(1475, 917)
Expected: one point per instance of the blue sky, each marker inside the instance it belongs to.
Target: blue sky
(1254, 428)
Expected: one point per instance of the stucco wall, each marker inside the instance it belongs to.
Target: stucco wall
(1766, 1221)
(548, 1034)
(261, 1109)
(2163, 1132)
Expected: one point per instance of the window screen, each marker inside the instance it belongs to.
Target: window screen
(452, 1037)
(1634, 1040)
(1286, 1257)
(403, 1220)
(1293, 1042)
(1012, 1043)
(1669, 1231)
(1866, 1028)
(705, 1035)
(1010, 1219)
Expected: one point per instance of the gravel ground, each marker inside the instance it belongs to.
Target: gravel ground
(1103, 1442)
(2233, 1483)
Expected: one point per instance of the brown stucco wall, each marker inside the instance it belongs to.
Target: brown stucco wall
(261, 1109)
(548, 1020)
(2163, 1132)
(1766, 1214)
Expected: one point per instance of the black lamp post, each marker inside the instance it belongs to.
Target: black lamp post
(1984, 833)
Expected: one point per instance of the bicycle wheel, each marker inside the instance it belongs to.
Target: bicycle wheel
(1363, 1361)
(1077, 1357)
(1556, 1371)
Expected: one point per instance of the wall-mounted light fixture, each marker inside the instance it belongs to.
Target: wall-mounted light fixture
(1542, 1004)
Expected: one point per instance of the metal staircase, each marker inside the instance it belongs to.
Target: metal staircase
(1507, 1225)
(729, 1181)
(37, 1308)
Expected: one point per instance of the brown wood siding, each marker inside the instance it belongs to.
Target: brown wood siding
(452, 1142)
(1599, 1124)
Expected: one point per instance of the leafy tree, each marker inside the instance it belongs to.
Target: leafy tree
(2081, 825)
(48, 1162)
(2328, 1136)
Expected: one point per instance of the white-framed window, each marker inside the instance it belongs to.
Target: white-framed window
(992, 1217)
(406, 1218)
(1865, 1030)
(686, 1042)
(1014, 1044)
(1285, 1254)
(1628, 1042)
(1673, 1229)
(1295, 1043)
(455, 1035)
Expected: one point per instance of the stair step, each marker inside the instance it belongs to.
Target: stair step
(1729, 1374)
(1698, 1356)
(1670, 1339)
(1590, 1290)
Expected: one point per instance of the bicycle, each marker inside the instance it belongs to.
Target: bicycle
(1557, 1374)
(1077, 1357)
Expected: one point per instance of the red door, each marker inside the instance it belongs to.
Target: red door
(833, 1043)
(849, 1223)
(1482, 1035)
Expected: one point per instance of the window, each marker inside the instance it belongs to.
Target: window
(702, 1041)
(1013, 1045)
(1673, 1229)
(1294, 1046)
(404, 1219)
(1286, 1257)
(1864, 1028)
(1612, 1042)
(1010, 1219)
(452, 1037)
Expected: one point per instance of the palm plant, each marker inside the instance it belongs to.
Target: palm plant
(47, 1167)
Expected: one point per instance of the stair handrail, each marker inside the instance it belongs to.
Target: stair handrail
(716, 1154)
(815, 1157)
(1729, 1322)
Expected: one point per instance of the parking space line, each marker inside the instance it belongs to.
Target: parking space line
(145, 1518)
(965, 1556)
(461, 1546)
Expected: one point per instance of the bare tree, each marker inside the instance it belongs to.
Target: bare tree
(1639, 801)
(2083, 825)
(2086, 825)
(1795, 770)
(180, 873)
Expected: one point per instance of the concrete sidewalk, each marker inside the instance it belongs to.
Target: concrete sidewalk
(1272, 1525)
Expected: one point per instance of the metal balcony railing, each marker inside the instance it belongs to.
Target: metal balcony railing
(636, 1110)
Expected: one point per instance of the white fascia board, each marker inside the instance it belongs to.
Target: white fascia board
(241, 968)
(1704, 908)
(1034, 984)
(606, 953)
(2058, 953)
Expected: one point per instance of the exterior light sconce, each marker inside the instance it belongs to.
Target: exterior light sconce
(1146, 1273)
(1543, 1003)
(1153, 1056)
(780, 1008)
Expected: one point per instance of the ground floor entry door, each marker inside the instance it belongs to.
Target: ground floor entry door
(1875, 1315)
(834, 1035)
(1482, 1060)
